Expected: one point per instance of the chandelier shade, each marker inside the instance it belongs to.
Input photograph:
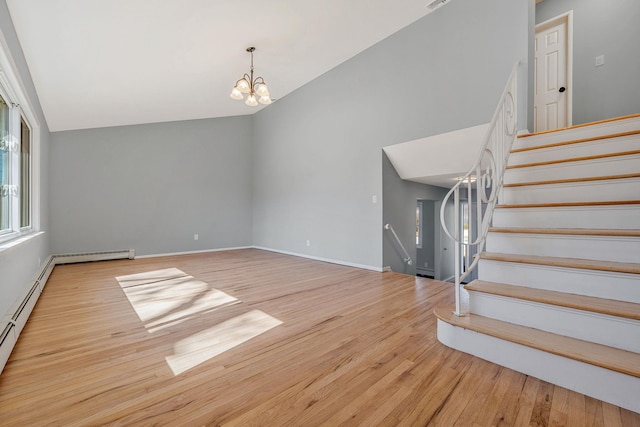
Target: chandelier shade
(255, 88)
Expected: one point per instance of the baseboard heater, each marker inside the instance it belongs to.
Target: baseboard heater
(14, 322)
(94, 256)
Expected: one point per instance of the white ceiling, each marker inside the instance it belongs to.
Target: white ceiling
(118, 62)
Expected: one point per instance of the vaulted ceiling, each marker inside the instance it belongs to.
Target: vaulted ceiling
(118, 62)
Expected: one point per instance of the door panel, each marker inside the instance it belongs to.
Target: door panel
(551, 63)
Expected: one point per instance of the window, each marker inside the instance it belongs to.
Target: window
(418, 225)
(25, 174)
(4, 166)
(15, 170)
(19, 160)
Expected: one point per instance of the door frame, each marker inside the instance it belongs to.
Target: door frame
(566, 18)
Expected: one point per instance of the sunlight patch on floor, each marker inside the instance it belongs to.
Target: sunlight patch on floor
(166, 298)
(204, 345)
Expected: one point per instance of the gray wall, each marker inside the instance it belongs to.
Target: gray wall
(318, 150)
(152, 187)
(609, 28)
(19, 263)
(400, 211)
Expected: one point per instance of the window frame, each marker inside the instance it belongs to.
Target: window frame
(29, 226)
(419, 225)
(14, 94)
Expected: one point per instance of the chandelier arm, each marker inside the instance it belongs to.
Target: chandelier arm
(245, 77)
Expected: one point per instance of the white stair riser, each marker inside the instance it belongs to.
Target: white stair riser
(618, 126)
(601, 284)
(604, 248)
(609, 386)
(592, 191)
(592, 148)
(625, 217)
(594, 327)
(618, 165)
(613, 387)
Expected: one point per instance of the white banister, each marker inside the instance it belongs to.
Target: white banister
(407, 258)
(482, 184)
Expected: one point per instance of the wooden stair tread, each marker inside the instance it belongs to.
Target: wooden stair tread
(577, 141)
(572, 180)
(624, 309)
(568, 231)
(570, 204)
(581, 125)
(574, 159)
(622, 361)
(585, 264)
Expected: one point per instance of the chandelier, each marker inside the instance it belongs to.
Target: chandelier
(255, 88)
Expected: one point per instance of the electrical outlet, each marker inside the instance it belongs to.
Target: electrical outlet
(599, 60)
(374, 199)
(196, 237)
(308, 242)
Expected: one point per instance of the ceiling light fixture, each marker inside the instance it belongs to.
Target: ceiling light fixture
(253, 87)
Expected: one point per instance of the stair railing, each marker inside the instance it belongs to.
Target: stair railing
(482, 185)
(407, 257)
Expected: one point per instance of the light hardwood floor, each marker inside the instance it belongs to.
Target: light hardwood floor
(253, 338)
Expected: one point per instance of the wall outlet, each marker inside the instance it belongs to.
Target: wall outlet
(374, 199)
(308, 242)
(196, 237)
(599, 60)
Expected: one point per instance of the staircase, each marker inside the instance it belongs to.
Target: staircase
(558, 289)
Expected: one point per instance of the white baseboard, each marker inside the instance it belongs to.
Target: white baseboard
(332, 261)
(193, 252)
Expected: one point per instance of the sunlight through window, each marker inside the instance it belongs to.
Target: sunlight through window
(165, 299)
(213, 341)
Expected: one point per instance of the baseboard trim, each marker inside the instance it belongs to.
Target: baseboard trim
(329, 260)
(193, 252)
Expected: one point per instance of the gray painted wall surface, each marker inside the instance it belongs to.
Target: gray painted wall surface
(612, 29)
(19, 264)
(152, 187)
(400, 211)
(317, 151)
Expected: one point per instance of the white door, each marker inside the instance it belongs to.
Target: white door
(552, 98)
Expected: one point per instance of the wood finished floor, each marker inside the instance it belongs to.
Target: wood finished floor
(354, 348)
